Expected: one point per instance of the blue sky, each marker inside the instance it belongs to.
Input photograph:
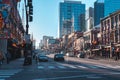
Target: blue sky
(46, 17)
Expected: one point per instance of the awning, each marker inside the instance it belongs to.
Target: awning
(117, 45)
(95, 49)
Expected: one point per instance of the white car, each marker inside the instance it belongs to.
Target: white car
(70, 54)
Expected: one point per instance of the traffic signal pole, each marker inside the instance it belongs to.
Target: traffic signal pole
(28, 44)
(26, 10)
(29, 13)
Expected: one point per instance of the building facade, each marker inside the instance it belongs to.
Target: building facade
(110, 31)
(98, 12)
(72, 10)
(111, 6)
(11, 28)
(89, 19)
(45, 40)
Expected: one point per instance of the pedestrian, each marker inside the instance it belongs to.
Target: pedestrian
(1, 57)
(8, 57)
(117, 53)
(113, 51)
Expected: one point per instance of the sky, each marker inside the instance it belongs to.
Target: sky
(46, 17)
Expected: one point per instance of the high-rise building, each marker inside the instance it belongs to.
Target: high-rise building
(111, 6)
(89, 18)
(74, 11)
(45, 38)
(98, 11)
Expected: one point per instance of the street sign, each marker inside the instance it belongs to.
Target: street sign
(27, 38)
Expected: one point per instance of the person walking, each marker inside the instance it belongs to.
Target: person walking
(8, 57)
(1, 58)
(117, 53)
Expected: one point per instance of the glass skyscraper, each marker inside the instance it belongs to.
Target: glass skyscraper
(111, 6)
(72, 10)
(98, 11)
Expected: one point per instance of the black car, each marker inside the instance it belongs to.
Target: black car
(42, 58)
(58, 57)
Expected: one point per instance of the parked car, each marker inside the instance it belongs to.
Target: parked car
(42, 58)
(69, 54)
(81, 55)
(59, 57)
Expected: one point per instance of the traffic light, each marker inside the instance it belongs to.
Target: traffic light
(30, 18)
(30, 10)
(29, 2)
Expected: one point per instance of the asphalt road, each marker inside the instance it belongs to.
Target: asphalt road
(71, 69)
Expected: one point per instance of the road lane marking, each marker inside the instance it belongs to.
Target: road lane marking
(8, 73)
(67, 77)
(51, 67)
(101, 66)
(71, 66)
(4, 76)
(2, 79)
(40, 67)
(82, 67)
(68, 65)
(61, 67)
(112, 66)
(94, 67)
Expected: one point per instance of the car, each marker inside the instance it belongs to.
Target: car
(69, 54)
(81, 55)
(42, 58)
(58, 57)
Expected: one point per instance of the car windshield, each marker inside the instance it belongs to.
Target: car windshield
(42, 56)
(60, 55)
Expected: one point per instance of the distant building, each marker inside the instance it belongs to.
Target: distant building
(111, 6)
(53, 44)
(41, 44)
(74, 11)
(45, 38)
(89, 19)
(98, 11)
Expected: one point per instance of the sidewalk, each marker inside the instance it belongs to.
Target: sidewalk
(96, 61)
(93, 60)
(17, 63)
(106, 61)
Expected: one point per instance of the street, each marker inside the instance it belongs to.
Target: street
(71, 69)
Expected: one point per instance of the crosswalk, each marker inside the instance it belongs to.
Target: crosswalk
(69, 66)
(4, 74)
